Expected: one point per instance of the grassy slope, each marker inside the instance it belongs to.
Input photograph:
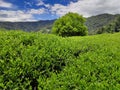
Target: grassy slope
(91, 62)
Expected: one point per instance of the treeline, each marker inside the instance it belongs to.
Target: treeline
(111, 27)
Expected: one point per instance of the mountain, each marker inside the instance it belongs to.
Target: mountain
(93, 23)
(96, 22)
(28, 26)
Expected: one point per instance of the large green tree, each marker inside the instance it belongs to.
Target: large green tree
(71, 24)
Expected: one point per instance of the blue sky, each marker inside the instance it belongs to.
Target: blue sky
(34, 10)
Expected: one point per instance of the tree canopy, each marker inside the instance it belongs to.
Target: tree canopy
(71, 24)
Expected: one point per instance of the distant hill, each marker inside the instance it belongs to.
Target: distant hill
(43, 25)
(93, 23)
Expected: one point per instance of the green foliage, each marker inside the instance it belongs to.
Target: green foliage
(117, 25)
(48, 62)
(110, 28)
(25, 57)
(72, 24)
(97, 23)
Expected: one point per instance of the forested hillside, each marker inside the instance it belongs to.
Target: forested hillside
(43, 25)
(93, 23)
(97, 22)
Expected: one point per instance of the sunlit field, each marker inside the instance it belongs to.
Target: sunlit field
(48, 62)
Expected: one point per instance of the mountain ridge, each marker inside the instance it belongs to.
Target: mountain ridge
(96, 22)
(93, 23)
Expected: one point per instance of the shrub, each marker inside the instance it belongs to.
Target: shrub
(25, 57)
(35, 61)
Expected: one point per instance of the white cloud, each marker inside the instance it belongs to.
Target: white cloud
(40, 3)
(19, 15)
(5, 4)
(47, 5)
(88, 7)
(15, 16)
(37, 11)
(83, 7)
(28, 3)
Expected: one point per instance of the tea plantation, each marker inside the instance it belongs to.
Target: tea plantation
(35, 61)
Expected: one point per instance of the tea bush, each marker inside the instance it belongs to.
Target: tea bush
(36, 61)
(25, 57)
